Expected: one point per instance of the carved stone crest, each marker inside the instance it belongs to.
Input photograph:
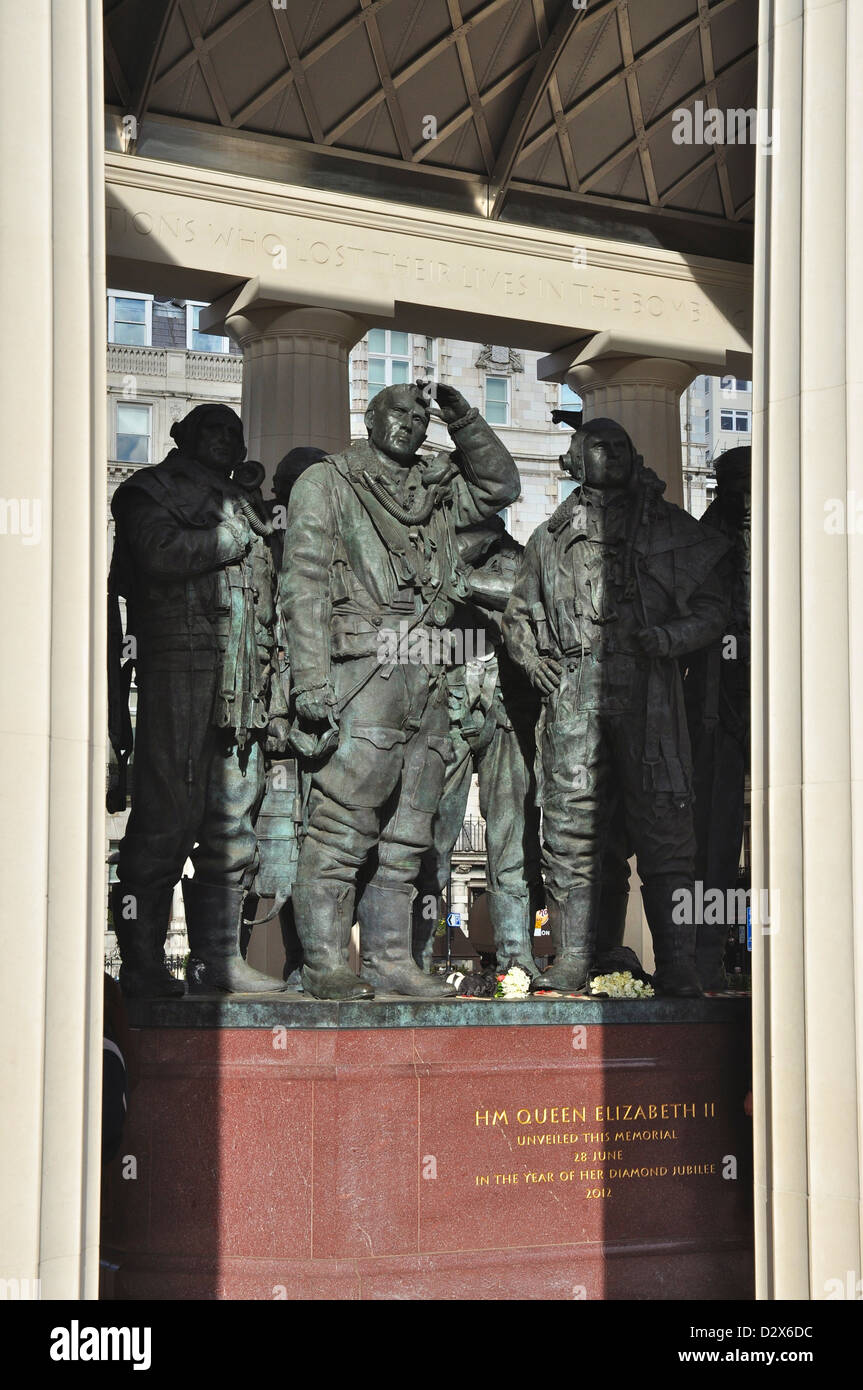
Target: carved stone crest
(502, 360)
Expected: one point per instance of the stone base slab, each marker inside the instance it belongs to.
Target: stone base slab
(557, 1158)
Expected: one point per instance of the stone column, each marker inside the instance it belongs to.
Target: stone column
(642, 394)
(807, 652)
(52, 634)
(296, 389)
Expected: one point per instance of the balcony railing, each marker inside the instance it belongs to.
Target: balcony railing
(214, 366)
(149, 361)
(471, 838)
(175, 963)
(137, 361)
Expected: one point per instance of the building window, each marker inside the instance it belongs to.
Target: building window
(130, 318)
(133, 433)
(568, 400)
(497, 400)
(737, 421)
(564, 488)
(196, 341)
(389, 359)
(731, 385)
(707, 424)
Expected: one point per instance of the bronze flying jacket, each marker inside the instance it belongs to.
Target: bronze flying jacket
(199, 596)
(669, 559)
(351, 563)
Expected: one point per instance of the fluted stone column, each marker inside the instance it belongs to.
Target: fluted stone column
(52, 635)
(296, 389)
(642, 394)
(807, 652)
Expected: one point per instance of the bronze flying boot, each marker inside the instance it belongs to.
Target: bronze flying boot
(572, 923)
(386, 925)
(512, 920)
(673, 941)
(141, 920)
(324, 915)
(213, 920)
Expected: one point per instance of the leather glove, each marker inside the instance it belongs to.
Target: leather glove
(315, 705)
(653, 641)
(451, 403)
(544, 674)
(238, 526)
(276, 741)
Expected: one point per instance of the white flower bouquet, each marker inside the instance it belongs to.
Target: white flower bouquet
(515, 984)
(621, 984)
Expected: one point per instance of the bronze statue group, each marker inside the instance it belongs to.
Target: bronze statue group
(310, 716)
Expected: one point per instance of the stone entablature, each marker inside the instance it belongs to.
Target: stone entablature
(416, 268)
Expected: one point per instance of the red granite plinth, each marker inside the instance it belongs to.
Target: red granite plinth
(566, 1162)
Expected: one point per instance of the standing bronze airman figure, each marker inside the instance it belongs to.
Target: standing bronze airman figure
(612, 590)
(493, 716)
(195, 573)
(716, 691)
(371, 575)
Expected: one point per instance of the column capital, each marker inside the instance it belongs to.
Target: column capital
(296, 386)
(330, 325)
(669, 373)
(626, 379)
(256, 311)
(624, 357)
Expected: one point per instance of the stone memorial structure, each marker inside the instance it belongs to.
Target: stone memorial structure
(634, 265)
(548, 1150)
(583, 1118)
